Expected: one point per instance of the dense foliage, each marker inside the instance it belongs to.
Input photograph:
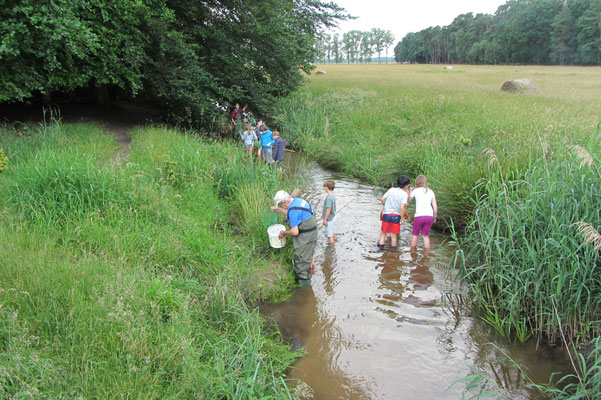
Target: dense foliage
(188, 56)
(521, 31)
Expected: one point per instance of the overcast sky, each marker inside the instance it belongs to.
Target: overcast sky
(404, 16)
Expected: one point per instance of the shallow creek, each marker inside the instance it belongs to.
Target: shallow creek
(390, 324)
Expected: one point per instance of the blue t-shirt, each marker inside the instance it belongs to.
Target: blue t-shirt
(295, 217)
(266, 139)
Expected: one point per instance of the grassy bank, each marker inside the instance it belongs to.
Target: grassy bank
(134, 280)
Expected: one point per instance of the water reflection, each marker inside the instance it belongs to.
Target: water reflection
(390, 324)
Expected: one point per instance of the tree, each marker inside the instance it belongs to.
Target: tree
(336, 49)
(388, 40)
(521, 31)
(187, 56)
(366, 46)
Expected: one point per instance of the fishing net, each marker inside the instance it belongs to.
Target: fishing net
(268, 218)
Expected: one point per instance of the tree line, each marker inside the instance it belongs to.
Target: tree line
(191, 58)
(543, 32)
(354, 47)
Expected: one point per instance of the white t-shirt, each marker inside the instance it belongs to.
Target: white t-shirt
(394, 198)
(423, 202)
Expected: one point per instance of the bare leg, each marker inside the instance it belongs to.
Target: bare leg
(393, 240)
(331, 241)
(382, 238)
(413, 241)
(426, 242)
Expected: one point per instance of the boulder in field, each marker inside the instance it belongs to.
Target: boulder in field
(448, 67)
(518, 85)
(320, 72)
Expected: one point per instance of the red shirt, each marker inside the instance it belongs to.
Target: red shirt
(236, 112)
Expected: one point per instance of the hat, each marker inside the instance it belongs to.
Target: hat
(280, 196)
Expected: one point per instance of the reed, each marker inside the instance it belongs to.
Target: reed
(527, 245)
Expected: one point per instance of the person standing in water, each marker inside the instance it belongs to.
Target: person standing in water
(279, 147)
(426, 210)
(329, 211)
(303, 229)
(394, 201)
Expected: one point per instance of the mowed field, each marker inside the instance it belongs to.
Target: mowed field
(376, 121)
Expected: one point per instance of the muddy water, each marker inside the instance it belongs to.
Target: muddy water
(389, 324)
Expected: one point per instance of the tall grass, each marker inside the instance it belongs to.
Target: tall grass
(133, 280)
(375, 122)
(523, 251)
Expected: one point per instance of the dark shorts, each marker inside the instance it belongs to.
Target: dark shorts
(423, 224)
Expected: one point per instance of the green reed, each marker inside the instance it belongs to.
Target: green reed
(522, 248)
(134, 279)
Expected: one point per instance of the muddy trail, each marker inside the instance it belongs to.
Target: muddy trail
(392, 324)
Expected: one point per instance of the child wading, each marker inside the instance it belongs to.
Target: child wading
(279, 146)
(425, 211)
(394, 201)
(329, 211)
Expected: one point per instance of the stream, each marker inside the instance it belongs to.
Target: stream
(392, 324)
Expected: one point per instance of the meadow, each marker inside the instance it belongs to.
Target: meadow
(516, 177)
(376, 121)
(136, 279)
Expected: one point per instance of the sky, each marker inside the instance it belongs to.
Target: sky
(404, 16)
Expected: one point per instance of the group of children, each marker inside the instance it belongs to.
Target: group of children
(270, 146)
(393, 213)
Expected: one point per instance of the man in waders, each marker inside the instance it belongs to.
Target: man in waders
(303, 229)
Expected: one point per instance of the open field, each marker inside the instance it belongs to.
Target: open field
(135, 279)
(376, 121)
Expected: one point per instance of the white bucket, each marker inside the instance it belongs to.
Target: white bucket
(273, 231)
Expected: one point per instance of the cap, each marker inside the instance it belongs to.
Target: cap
(280, 196)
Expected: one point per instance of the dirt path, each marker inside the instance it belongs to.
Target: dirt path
(117, 120)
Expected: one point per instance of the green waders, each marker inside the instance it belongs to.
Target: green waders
(304, 248)
(238, 128)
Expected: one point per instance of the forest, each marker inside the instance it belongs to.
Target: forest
(541, 32)
(191, 59)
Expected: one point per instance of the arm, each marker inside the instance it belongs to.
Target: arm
(383, 200)
(402, 213)
(325, 217)
(435, 207)
(292, 231)
(279, 210)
